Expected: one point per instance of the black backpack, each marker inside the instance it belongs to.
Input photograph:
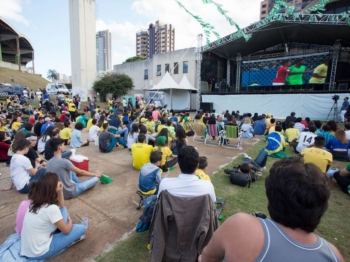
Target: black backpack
(238, 178)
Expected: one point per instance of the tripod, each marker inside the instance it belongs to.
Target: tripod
(335, 111)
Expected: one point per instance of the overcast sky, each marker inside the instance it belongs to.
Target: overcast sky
(46, 24)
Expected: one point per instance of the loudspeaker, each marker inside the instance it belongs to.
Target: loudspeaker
(206, 107)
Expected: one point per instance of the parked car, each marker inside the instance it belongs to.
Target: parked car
(5, 90)
(53, 88)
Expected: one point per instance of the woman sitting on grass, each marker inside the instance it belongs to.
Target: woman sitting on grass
(179, 142)
(46, 214)
(76, 138)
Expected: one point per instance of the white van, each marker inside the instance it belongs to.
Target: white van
(53, 88)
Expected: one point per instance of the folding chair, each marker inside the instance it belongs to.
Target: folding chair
(211, 130)
(199, 130)
(231, 132)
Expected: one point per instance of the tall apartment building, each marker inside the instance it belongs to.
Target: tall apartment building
(266, 6)
(159, 38)
(103, 51)
(142, 44)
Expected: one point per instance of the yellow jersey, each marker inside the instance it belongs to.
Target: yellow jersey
(89, 124)
(71, 107)
(141, 153)
(320, 157)
(321, 70)
(166, 152)
(16, 125)
(202, 175)
(66, 133)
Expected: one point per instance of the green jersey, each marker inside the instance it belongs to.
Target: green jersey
(296, 79)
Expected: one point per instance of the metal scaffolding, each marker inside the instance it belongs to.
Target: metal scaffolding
(335, 57)
(238, 73)
(329, 19)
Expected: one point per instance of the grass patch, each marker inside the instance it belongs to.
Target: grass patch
(32, 81)
(334, 225)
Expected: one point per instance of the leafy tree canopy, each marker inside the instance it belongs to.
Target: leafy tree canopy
(113, 83)
(133, 59)
(52, 74)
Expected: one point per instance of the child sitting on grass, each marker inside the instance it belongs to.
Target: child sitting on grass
(202, 167)
(162, 146)
(151, 175)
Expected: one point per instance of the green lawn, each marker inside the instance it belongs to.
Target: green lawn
(334, 225)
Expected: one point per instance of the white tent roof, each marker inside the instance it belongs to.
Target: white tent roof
(166, 83)
(185, 84)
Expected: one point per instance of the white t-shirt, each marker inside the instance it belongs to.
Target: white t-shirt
(19, 170)
(305, 139)
(93, 133)
(132, 139)
(37, 228)
(187, 186)
(39, 94)
(347, 134)
(41, 144)
(97, 116)
(25, 93)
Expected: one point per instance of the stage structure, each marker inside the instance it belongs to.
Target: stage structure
(283, 38)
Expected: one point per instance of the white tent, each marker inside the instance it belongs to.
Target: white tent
(178, 97)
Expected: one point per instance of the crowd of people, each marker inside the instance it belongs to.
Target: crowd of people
(39, 165)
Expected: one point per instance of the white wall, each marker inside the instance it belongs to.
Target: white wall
(12, 66)
(83, 46)
(136, 69)
(315, 106)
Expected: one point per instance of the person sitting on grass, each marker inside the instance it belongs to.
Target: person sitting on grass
(286, 236)
(66, 171)
(343, 179)
(259, 126)
(76, 140)
(305, 139)
(48, 150)
(247, 129)
(46, 214)
(83, 119)
(291, 132)
(271, 123)
(317, 155)
(339, 146)
(94, 131)
(326, 133)
(21, 169)
(141, 152)
(202, 167)
(276, 144)
(107, 141)
(187, 183)
(298, 125)
(5, 144)
(66, 132)
(132, 136)
(151, 175)
(162, 146)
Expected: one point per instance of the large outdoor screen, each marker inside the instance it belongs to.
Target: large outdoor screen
(263, 72)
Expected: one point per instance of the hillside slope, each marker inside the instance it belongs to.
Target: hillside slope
(21, 78)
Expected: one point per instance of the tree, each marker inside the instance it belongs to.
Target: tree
(133, 59)
(113, 83)
(52, 74)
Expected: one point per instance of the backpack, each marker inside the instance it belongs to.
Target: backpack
(240, 179)
(31, 95)
(273, 141)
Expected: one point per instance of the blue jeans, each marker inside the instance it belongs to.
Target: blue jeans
(81, 186)
(260, 160)
(36, 177)
(114, 141)
(125, 132)
(66, 154)
(61, 241)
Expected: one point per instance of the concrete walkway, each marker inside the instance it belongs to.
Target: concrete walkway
(111, 208)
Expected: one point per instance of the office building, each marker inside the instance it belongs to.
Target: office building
(159, 38)
(267, 5)
(103, 51)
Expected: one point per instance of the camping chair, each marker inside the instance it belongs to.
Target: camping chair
(199, 130)
(231, 132)
(211, 130)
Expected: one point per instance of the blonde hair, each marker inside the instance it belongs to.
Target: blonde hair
(247, 121)
(219, 119)
(340, 135)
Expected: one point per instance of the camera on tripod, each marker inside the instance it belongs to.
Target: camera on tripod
(335, 98)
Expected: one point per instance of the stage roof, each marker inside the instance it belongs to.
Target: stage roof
(8, 35)
(311, 29)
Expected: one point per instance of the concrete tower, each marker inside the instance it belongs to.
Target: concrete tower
(83, 46)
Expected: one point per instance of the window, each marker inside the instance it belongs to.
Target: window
(176, 68)
(263, 6)
(263, 12)
(167, 69)
(145, 76)
(185, 67)
(159, 70)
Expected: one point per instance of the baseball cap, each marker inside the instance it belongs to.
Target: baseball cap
(161, 140)
(47, 119)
